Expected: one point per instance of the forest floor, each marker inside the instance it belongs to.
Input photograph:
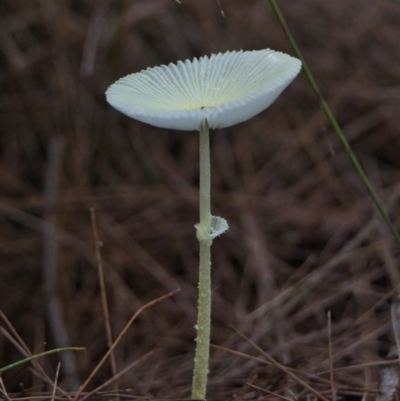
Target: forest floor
(305, 241)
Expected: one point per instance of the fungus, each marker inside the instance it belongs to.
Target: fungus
(211, 92)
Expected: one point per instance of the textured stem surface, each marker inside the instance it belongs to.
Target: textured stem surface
(205, 240)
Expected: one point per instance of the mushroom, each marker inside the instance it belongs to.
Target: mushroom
(210, 92)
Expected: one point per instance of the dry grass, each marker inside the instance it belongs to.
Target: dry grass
(305, 238)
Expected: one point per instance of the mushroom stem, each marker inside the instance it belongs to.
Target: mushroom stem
(205, 178)
(205, 240)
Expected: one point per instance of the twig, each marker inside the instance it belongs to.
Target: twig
(53, 395)
(220, 9)
(22, 347)
(330, 355)
(104, 302)
(395, 315)
(5, 395)
(117, 376)
(268, 392)
(278, 365)
(362, 366)
(124, 330)
(242, 354)
(3, 390)
(242, 392)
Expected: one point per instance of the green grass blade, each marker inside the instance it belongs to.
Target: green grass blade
(334, 123)
(53, 351)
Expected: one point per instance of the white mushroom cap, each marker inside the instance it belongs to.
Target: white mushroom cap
(226, 89)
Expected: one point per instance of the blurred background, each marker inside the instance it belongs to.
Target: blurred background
(304, 237)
